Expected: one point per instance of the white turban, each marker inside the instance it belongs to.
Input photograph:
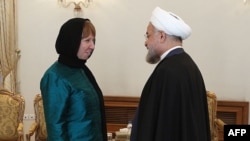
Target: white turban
(170, 23)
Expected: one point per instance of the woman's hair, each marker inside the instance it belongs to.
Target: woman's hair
(88, 29)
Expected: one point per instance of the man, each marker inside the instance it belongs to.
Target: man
(173, 104)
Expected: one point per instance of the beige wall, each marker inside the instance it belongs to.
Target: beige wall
(219, 43)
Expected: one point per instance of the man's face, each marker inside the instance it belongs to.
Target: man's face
(152, 44)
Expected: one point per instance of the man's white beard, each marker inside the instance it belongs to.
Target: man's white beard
(152, 57)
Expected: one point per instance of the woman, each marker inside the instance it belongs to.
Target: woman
(73, 101)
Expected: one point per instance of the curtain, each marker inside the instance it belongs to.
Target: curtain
(9, 53)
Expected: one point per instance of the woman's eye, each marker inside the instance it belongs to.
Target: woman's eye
(89, 40)
(86, 40)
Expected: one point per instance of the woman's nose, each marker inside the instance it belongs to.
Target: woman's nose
(92, 44)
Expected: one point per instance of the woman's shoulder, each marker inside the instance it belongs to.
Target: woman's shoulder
(61, 70)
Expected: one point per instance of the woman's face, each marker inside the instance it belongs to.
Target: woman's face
(86, 48)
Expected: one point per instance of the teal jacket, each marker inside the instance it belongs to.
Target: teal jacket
(72, 107)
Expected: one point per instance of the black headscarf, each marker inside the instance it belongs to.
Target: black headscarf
(68, 42)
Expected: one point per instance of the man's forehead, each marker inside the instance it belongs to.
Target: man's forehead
(150, 27)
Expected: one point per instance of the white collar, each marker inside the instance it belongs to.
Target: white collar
(167, 52)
